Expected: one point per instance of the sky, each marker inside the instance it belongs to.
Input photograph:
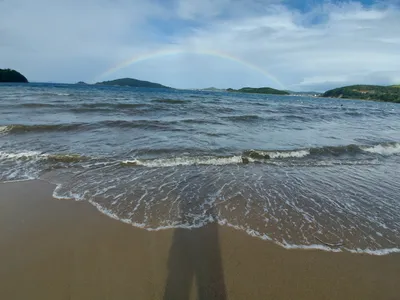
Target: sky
(296, 45)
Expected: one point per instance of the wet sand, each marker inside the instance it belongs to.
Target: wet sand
(61, 249)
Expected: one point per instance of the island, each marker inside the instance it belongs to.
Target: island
(262, 90)
(81, 82)
(9, 75)
(366, 92)
(212, 89)
(133, 83)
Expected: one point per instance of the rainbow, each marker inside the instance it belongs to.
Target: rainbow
(160, 53)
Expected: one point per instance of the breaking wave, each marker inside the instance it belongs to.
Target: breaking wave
(270, 156)
(317, 155)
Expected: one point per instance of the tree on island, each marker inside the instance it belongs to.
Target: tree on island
(262, 90)
(366, 92)
(8, 75)
(133, 83)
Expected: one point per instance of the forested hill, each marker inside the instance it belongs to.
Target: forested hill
(366, 92)
(262, 90)
(8, 75)
(133, 83)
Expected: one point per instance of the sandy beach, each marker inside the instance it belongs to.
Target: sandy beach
(62, 249)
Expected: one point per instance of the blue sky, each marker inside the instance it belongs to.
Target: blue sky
(298, 45)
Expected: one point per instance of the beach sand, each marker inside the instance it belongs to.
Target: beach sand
(62, 249)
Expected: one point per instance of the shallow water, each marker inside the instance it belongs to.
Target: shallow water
(294, 170)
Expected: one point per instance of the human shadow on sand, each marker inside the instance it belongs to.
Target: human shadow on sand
(195, 261)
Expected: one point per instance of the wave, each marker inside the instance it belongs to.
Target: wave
(184, 161)
(296, 117)
(355, 114)
(4, 129)
(275, 157)
(19, 128)
(315, 156)
(52, 94)
(201, 121)
(19, 155)
(66, 158)
(33, 105)
(250, 156)
(145, 124)
(260, 154)
(383, 149)
(113, 105)
(242, 118)
(170, 101)
(29, 155)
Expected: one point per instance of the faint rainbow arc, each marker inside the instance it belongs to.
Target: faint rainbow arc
(161, 53)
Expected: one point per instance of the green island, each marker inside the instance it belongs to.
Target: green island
(262, 90)
(133, 83)
(366, 92)
(9, 75)
(212, 89)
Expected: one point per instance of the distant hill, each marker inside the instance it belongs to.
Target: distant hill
(8, 75)
(212, 89)
(133, 83)
(262, 90)
(366, 92)
(81, 82)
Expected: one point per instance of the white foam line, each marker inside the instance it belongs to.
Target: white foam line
(379, 252)
(18, 180)
(387, 150)
(72, 196)
(253, 233)
(288, 154)
(185, 161)
(7, 155)
(224, 222)
(4, 129)
(141, 225)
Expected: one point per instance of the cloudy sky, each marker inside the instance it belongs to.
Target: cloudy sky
(291, 44)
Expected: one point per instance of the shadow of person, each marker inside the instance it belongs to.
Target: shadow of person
(195, 257)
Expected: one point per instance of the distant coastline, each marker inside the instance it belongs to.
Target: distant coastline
(357, 92)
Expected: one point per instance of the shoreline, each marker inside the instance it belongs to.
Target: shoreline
(66, 249)
(319, 244)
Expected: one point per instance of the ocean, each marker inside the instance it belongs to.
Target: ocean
(297, 171)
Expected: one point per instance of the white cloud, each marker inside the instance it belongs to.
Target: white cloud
(67, 40)
(192, 9)
(352, 44)
(204, 10)
(331, 45)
